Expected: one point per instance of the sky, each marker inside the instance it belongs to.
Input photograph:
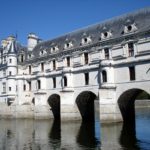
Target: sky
(52, 18)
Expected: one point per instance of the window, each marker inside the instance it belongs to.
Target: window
(4, 59)
(86, 59)
(85, 40)
(129, 28)
(24, 87)
(22, 58)
(54, 64)
(65, 81)
(132, 73)
(10, 60)
(29, 56)
(54, 82)
(30, 69)
(4, 87)
(106, 53)
(39, 84)
(9, 88)
(29, 85)
(9, 73)
(131, 49)
(86, 75)
(104, 76)
(67, 45)
(68, 61)
(105, 34)
(42, 67)
(4, 73)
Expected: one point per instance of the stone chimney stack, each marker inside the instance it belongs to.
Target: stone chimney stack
(33, 40)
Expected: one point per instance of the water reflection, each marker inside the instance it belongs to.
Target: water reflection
(128, 138)
(45, 134)
(86, 136)
(55, 135)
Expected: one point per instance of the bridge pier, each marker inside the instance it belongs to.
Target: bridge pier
(109, 109)
(69, 110)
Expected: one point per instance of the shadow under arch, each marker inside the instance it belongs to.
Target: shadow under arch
(54, 102)
(126, 104)
(85, 103)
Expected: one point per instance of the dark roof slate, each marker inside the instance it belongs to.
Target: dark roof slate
(140, 18)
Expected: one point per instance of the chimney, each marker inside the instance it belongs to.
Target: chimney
(33, 40)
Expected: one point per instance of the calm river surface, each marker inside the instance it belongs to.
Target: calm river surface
(28, 134)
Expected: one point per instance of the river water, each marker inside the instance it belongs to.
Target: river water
(25, 134)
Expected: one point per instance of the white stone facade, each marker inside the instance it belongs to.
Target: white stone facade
(106, 67)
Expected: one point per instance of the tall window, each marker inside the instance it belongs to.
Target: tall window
(4, 87)
(132, 73)
(65, 81)
(131, 49)
(54, 64)
(39, 84)
(9, 88)
(4, 59)
(30, 69)
(54, 82)
(106, 53)
(104, 76)
(10, 60)
(86, 75)
(42, 67)
(22, 58)
(68, 61)
(9, 73)
(4, 72)
(24, 87)
(29, 85)
(86, 58)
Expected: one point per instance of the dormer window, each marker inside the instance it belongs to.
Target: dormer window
(30, 56)
(86, 40)
(106, 35)
(42, 52)
(54, 49)
(130, 28)
(68, 45)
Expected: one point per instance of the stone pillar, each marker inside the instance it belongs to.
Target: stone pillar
(109, 110)
(69, 110)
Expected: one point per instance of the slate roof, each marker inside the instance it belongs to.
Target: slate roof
(140, 18)
(12, 49)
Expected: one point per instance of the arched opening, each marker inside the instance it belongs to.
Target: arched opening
(85, 103)
(126, 104)
(54, 102)
(104, 76)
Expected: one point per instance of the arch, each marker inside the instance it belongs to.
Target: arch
(126, 103)
(104, 76)
(85, 103)
(54, 102)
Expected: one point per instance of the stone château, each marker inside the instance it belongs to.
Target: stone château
(108, 62)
